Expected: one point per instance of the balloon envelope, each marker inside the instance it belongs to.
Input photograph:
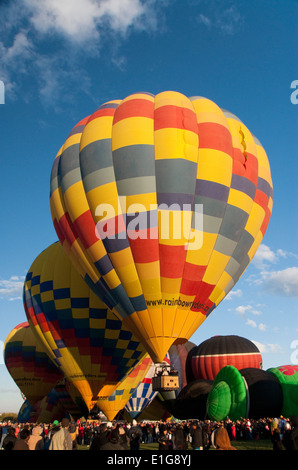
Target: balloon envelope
(192, 400)
(206, 359)
(119, 398)
(246, 393)
(143, 395)
(28, 363)
(161, 202)
(287, 376)
(87, 342)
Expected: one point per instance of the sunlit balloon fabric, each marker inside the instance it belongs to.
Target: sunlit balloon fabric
(29, 364)
(143, 395)
(86, 341)
(161, 203)
(119, 398)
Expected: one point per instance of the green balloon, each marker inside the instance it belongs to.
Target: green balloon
(288, 379)
(228, 397)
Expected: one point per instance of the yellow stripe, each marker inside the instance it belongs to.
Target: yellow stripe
(216, 166)
(172, 98)
(215, 267)
(97, 129)
(171, 143)
(75, 202)
(72, 140)
(133, 131)
(240, 199)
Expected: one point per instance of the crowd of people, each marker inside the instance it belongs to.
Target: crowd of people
(169, 435)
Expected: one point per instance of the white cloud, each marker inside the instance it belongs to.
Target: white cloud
(284, 282)
(281, 282)
(261, 347)
(84, 20)
(251, 323)
(242, 309)
(234, 293)
(226, 20)
(74, 31)
(274, 348)
(263, 255)
(12, 288)
(268, 348)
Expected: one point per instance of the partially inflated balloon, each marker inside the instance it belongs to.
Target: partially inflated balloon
(29, 364)
(192, 400)
(24, 413)
(87, 342)
(161, 203)
(288, 378)
(119, 398)
(246, 393)
(155, 411)
(142, 396)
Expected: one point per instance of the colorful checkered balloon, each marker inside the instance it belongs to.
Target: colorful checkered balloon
(85, 340)
(161, 203)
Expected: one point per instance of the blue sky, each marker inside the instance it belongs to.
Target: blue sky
(60, 60)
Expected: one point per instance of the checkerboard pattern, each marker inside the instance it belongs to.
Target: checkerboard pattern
(82, 336)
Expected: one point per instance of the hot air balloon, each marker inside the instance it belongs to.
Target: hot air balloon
(155, 411)
(28, 363)
(119, 398)
(206, 359)
(24, 413)
(191, 402)
(287, 376)
(245, 393)
(50, 408)
(142, 396)
(161, 203)
(85, 340)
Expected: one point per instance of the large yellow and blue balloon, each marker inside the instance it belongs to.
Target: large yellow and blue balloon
(85, 340)
(161, 203)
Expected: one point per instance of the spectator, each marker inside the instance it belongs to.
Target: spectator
(164, 440)
(179, 439)
(73, 435)
(36, 441)
(135, 436)
(294, 433)
(113, 443)
(123, 437)
(102, 438)
(22, 441)
(61, 440)
(10, 439)
(275, 435)
(222, 440)
(196, 437)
